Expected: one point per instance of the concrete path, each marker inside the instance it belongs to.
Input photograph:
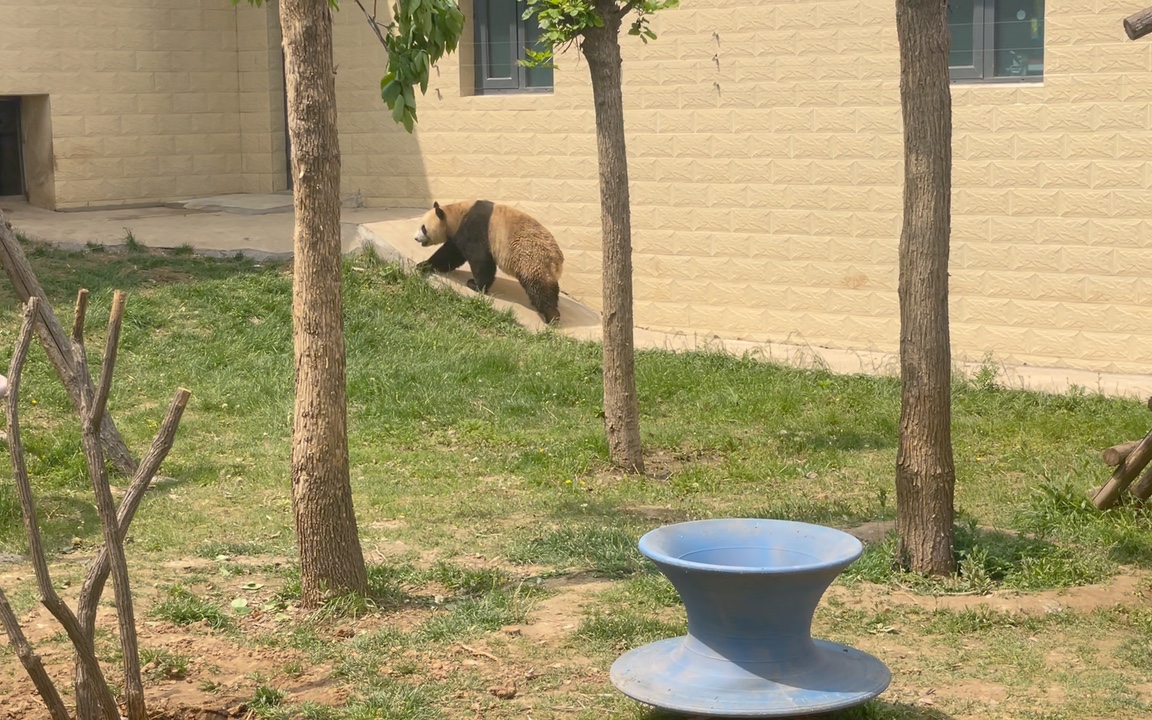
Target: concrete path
(262, 225)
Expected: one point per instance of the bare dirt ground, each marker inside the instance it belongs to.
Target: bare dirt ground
(225, 668)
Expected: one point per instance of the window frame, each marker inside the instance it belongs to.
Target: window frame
(983, 69)
(518, 83)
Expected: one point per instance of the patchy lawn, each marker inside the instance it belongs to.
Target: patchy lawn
(504, 569)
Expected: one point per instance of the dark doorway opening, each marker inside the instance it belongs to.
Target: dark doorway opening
(11, 149)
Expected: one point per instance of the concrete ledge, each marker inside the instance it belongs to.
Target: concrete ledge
(239, 204)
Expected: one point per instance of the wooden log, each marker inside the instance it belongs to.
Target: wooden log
(1124, 474)
(55, 342)
(1142, 488)
(1115, 455)
(1138, 24)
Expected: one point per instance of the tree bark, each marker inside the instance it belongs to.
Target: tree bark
(925, 473)
(55, 342)
(1139, 24)
(601, 47)
(331, 560)
(1115, 455)
(1124, 474)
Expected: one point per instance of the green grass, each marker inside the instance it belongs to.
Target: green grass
(182, 607)
(161, 664)
(479, 466)
(608, 551)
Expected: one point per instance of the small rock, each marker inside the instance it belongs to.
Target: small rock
(504, 692)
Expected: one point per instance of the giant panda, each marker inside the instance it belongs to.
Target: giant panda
(487, 235)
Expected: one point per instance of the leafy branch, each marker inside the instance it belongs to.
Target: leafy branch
(563, 21)
(420, 33)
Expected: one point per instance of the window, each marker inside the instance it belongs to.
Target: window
(502, 33)
(996, 40)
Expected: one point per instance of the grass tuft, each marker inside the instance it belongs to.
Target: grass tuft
(160, 664)
(473, 616)
(181, 607)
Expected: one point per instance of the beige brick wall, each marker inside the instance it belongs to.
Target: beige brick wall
(150, 100)
(766, 169)
(764, 146)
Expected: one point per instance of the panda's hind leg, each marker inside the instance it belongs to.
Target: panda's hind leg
(545, 297)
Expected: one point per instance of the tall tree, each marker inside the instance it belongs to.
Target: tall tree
(925, 472)
(595, 26)
(331, 560)
(415, 43)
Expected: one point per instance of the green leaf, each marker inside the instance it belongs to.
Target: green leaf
(390, 92)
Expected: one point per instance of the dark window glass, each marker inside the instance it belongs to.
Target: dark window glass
(996, 40)
(502, 34)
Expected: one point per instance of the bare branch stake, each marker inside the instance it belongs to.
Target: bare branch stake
(106, 508)
(78, 316)
(48, 596)
(31, 661)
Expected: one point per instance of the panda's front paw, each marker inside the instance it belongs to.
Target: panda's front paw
(424, 267)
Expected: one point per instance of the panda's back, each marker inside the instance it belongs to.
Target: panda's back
(520, 244)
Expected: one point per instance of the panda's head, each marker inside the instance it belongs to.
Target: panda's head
(433, 227)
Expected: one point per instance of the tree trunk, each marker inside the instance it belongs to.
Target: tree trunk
(925, 473)
(601, 47)
(331, 561)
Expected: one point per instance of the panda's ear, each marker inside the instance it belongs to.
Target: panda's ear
(439, 211)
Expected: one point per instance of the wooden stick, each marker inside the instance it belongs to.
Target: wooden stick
(31, 662)
(1123, 475)
(79, 315)
(55, 342)
(1115, 455)
(98, 571)
(1142, 488)
(106, 508)
(97, 575)
(111, 346)
(48, 596)
(1139, 24)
